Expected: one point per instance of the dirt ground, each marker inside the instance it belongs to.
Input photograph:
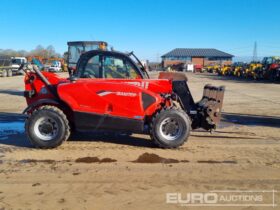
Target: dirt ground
(97, 171)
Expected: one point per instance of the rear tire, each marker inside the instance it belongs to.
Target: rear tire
(170, 128)
(47, 127)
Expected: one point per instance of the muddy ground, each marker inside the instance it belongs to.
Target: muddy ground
(97, 171)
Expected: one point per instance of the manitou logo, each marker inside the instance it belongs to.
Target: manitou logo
(140, 84)
(105, 93)
(126, 94)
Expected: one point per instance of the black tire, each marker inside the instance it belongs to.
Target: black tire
(272, 76)
(182, 125)
(278, 75)
(47, 127)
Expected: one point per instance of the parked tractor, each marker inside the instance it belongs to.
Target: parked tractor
(112, 91)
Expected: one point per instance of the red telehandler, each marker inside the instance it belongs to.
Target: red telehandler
(111, 91)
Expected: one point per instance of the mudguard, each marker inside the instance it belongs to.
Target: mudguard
(40, 102)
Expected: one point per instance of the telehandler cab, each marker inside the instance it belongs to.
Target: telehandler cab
(111, 91)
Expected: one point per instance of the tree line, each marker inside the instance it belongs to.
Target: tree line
(47, 52)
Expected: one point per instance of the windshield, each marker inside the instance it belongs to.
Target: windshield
(139, 64)
(17, 61)
(75, 51)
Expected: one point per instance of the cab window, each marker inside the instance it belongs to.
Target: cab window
(269, 61)
(92, 68)
(115, 67)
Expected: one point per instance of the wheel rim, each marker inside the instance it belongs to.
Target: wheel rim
(171, 129)
(46, 128)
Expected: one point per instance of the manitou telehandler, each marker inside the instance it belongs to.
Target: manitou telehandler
(111, 91)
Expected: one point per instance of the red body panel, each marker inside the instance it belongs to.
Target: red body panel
(273, 66)
(37, 85)
(115, 97)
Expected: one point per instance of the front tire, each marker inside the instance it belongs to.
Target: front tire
(170, 128)
(47, 127)
(272, 76)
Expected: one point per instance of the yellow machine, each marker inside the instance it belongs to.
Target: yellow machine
(225, 70)
(213, 68)
(250, 71)
(238, 71)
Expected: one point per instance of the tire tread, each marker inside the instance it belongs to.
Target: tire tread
(60, 113)
(152, 134)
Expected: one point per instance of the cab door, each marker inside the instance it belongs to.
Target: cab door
(118, 67)
(107, 64)
(102, 97)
